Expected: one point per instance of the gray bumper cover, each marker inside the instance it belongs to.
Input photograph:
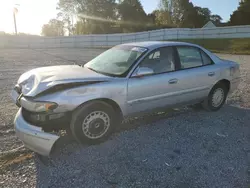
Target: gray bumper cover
(33, 137)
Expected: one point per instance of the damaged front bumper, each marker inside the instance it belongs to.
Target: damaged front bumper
(33, 137)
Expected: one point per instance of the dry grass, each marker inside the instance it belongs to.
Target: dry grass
(15, 157)
(225, 46)
(232, 46)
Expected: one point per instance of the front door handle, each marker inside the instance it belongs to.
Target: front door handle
(173, 81)
(211, 73)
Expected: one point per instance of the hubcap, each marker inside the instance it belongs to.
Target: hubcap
(218, 97)
(96, 124)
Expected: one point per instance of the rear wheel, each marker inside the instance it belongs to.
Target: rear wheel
(93, 123)
(216, 98)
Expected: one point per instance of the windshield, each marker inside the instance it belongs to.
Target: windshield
(116, 61)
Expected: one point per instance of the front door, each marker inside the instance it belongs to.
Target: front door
(156, 90)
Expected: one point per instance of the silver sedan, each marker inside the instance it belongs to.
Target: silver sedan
(90, 101)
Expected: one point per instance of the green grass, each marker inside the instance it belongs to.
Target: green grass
(234, 46)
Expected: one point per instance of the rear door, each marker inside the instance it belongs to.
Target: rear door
(196, 74)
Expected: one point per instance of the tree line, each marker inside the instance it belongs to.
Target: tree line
(78, 17)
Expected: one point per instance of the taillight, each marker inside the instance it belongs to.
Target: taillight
(232, 71)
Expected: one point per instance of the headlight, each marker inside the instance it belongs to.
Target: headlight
(35, 106)
(28, 84)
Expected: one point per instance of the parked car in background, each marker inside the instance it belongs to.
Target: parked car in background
(90, 101)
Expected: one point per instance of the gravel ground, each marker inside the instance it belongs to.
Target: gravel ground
(181, 148)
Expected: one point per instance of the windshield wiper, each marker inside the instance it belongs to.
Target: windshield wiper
(92, 69)
(99, 72)
(95, 70)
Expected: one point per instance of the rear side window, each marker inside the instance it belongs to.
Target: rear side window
(190, 57)
(206, 60)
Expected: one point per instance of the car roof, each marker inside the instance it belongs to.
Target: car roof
(157, 44)
(152, 45)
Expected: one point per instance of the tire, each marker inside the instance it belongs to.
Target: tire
(216, 98)
(93, 123)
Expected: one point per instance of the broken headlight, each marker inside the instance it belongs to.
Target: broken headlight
(35, 106)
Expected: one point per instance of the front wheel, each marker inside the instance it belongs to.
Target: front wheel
(93, 123)
(216, 98)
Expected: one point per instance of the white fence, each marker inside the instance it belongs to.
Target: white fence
(108, 40)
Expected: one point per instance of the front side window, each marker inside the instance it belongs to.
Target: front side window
(160, 61)
(189, 57)
(116, 61)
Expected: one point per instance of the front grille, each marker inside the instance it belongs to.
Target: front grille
(43, 120)
(31, 117)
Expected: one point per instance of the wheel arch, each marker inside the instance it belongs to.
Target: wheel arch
(225, 82)
(110, 102)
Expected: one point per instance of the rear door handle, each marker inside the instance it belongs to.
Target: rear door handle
(211, 73)
(173, 81)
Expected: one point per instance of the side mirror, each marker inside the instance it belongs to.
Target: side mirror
(143, 71)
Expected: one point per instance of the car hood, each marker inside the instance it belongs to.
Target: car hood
(47, 77)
